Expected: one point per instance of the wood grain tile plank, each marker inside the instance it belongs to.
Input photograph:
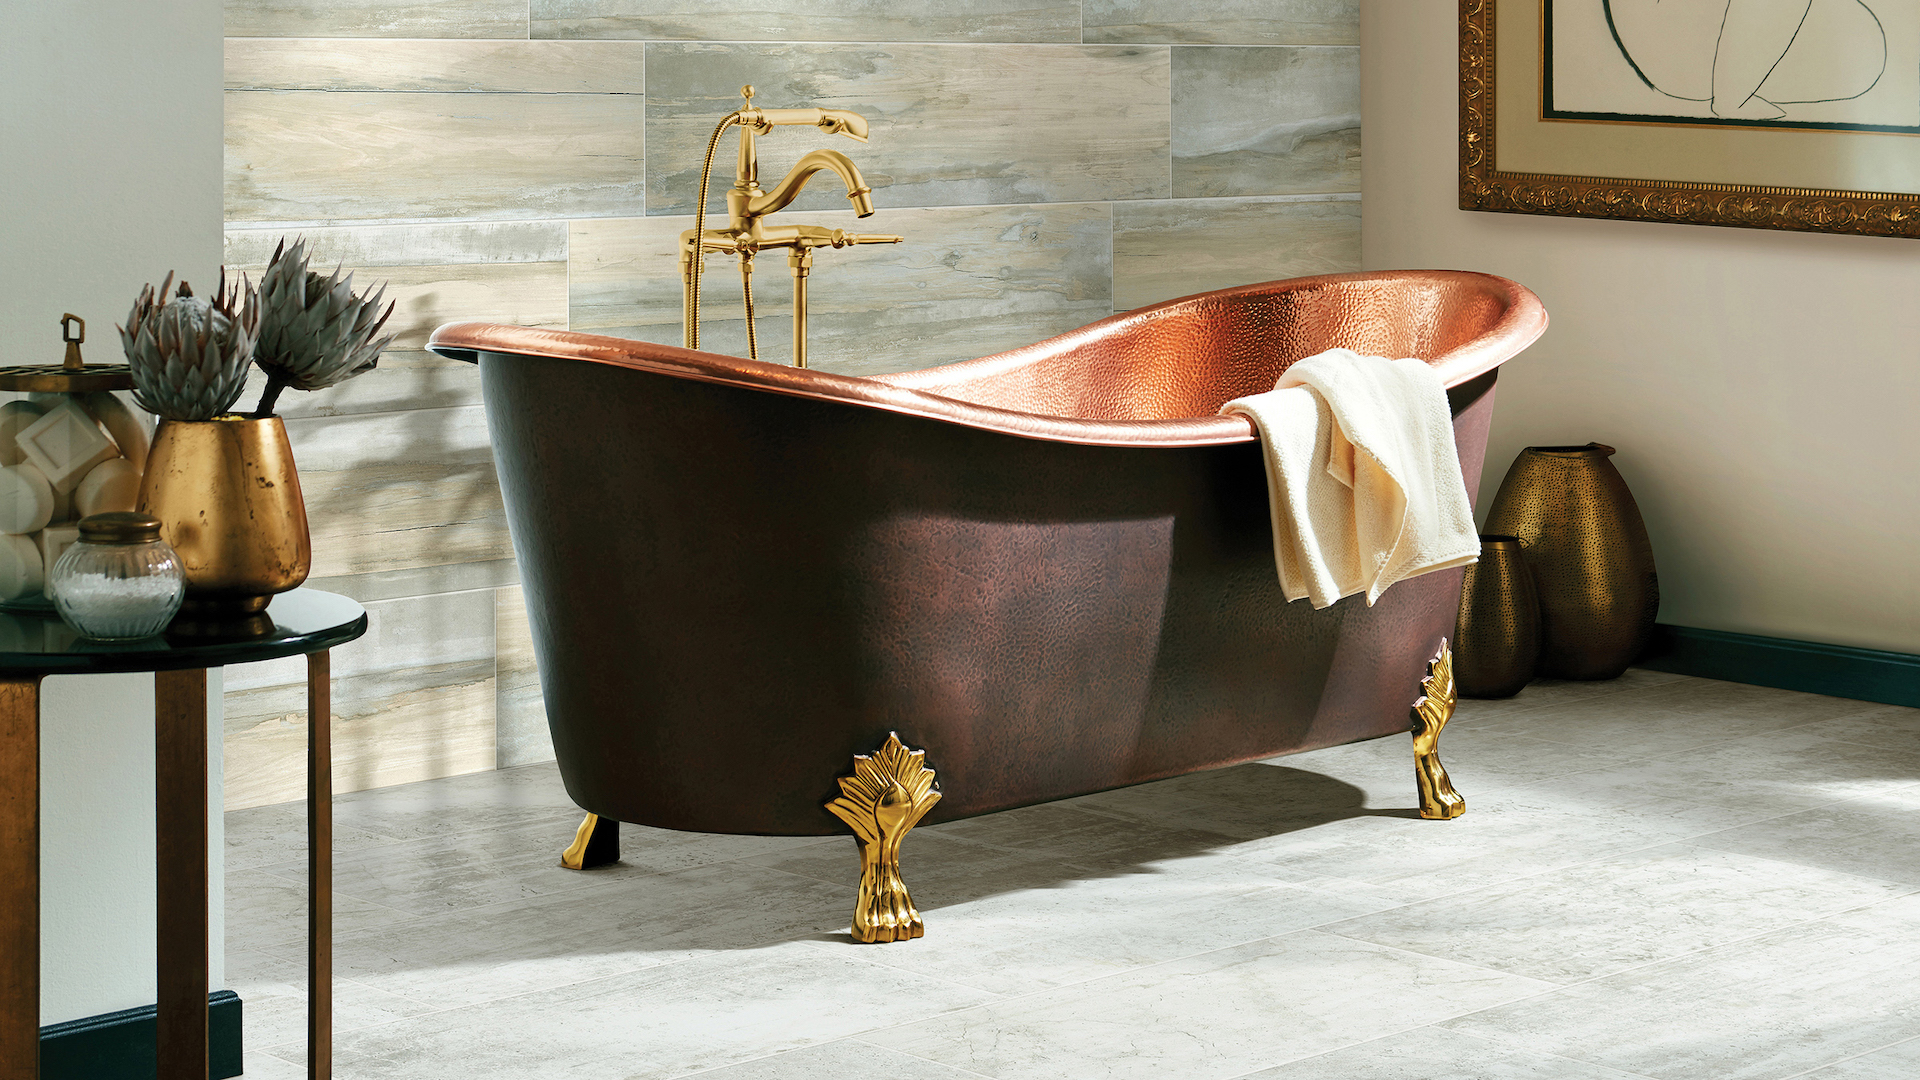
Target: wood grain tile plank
(540, 67)
(968, 281)
(317, 157)
(392, 491)
(412, 700)
(1164, 250)
(456, 243)
(390, 728)
(950, 124)
(1224, 22)
(810, 20)
(1265, 121)
(377, 18)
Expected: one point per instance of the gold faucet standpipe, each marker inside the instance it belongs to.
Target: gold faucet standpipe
(747, 207)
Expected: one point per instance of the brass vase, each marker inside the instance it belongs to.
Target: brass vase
(229, 501)
(1496, 640)
(1592, 562)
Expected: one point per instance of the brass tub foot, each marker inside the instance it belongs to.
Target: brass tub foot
(1430, 715)
(596, 843)
(886, 796)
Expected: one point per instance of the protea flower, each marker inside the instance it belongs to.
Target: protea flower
(314, 331)
(190, 355)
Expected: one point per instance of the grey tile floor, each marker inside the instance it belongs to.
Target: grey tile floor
(1656, 877)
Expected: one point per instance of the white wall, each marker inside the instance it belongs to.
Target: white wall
(1763, 388)
(110, 150)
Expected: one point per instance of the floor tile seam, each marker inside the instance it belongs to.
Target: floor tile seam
(1274, 1064)
(1721, 743)
(436, 1010)
(268, 1051)
(1908, 887)
(1058, 988)
(1746, 939)
(1419, 1027)
(1040, 991)
(1548, 985)
(1651, 755)
(858, 954)
(923, 1057)
(480, 909)
(1622, 1073)
(841, 885)
(1851, 1057)
(828, 1042)
(1051, 987)
(1623, 852)
(1525, 876)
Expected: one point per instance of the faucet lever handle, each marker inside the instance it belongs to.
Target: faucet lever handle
(831, 121)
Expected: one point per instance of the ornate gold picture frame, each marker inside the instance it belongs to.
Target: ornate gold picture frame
(1513, 159)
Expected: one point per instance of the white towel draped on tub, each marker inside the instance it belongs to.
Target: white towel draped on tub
(1362, 475)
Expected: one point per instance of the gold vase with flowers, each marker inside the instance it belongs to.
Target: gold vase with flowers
(224, 485)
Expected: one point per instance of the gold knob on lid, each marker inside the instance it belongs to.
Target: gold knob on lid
(73, 362)
(120, 527)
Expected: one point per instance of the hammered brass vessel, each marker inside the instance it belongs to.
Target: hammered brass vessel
(1592, 561)
(1497, 636)
(229, 500)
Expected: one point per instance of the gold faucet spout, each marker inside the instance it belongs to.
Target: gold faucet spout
(749, 207)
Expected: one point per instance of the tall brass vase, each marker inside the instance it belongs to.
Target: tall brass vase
(1591, 559)
(229, 502)
(1496, 641)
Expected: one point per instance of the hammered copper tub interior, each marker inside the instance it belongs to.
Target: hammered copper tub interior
(1051, 569)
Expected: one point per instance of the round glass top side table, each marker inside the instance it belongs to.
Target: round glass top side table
(32, 646)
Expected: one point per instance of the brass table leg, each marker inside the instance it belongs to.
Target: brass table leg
(180, 787)
(20, 877)
(319, 865)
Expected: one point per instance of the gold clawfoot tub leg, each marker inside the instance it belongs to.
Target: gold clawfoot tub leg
(886, 796)
(1430, 714)
(596, 843)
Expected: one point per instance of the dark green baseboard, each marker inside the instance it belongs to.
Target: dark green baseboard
(1837, 670)
(120, 1045)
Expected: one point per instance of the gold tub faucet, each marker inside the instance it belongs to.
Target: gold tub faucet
(748, 206)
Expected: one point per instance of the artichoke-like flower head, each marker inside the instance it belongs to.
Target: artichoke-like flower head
(190, 355)
(314, 331)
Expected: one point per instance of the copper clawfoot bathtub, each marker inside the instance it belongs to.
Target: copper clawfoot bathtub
(1051, 570)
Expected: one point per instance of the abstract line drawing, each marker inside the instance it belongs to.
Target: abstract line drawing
(1752, 59)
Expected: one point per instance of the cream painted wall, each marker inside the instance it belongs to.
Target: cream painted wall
(110, 165)
(1762, 387)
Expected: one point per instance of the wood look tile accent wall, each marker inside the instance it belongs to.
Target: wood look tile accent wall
(532, 161)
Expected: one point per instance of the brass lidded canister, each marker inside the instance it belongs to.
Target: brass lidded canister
(69, 448)
(71, 376)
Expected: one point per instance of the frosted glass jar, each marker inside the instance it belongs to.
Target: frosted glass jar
(119, 581)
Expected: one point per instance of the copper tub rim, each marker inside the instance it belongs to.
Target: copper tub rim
(1522, 323)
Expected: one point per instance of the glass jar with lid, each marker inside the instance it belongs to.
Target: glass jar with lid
(119, 581)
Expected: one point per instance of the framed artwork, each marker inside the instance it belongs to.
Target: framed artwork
(1764, 114)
